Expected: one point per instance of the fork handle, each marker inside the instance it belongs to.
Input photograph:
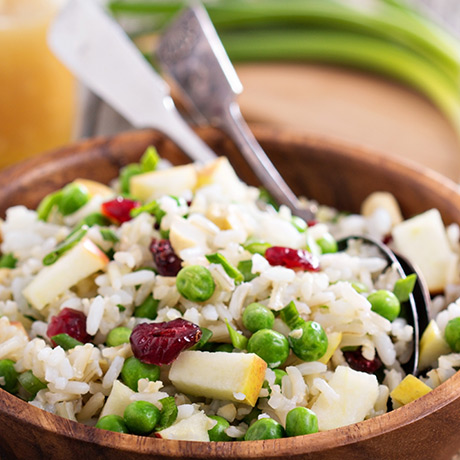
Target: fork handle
(233, 123)
(174, 126)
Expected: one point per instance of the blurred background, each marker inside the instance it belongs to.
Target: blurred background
(380, 74)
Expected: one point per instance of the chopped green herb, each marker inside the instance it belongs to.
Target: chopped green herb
(265, 196)
(257, 247)
(230, 269)
(73, 197)
(404, 287)
(31, 384)
(238, 340)
(359, 287)
(121, 307)
(95, 218)
(206, 335)
(168, 413)
(245, 268)
(300, 225)
(8, 261)
(47, 204)
(63, 247)
(109, 235)
(290, 315)
(150, 159)
(66, 341)
(148, 163)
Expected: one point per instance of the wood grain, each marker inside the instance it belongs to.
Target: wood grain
(426, 428)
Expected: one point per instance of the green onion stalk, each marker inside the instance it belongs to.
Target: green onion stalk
(386, 37)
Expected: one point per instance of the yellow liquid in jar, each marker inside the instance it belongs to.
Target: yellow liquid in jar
(37, 93)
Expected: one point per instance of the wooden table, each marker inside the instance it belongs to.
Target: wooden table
(343, 105)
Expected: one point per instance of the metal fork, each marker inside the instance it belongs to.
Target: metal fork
(191, 53)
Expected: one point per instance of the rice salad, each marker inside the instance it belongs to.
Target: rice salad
(177, 303)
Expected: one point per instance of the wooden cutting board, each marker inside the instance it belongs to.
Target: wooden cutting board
(351, 107)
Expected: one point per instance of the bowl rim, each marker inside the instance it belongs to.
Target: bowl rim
(435, 400)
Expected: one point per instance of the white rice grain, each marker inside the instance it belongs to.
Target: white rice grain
(96, 311)
(113, 372)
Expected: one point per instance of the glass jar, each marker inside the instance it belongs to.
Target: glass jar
(37, 93)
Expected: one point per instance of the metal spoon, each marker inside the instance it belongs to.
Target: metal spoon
(417, 313)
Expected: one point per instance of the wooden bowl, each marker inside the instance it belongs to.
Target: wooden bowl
(334, 175)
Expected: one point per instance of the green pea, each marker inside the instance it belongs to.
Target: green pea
(217, 432)
(452, 334)
(257, 316)
(9, 375)
(327, 244)
(195, 283)
(133, 370)
(118, 336)
(300, 421)
(147, 309)
(279, 374)
(73, 197)
(112, 423)
(308, 341)
(264, 428)
(270, 345)
(141, 417)
(385, 303)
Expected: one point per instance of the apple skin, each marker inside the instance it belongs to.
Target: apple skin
(234, 377)
(78, 263)
(155, 184)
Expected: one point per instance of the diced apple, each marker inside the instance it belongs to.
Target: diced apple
(410, 389)
(356, 392)
(94, 188)
(119, 398)
(382, 200)
(78, 263)
(194, 428)
(423, 240)
(171, 181)
(228, 376)
(183, 235)
(221, 172)
(432, 345)
(334, 339)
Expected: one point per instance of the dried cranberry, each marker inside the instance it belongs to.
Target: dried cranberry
(312, 223)
(387, 239)
(358, 362)
(292, 258)
(161, 343)
(119, 209)
(166, 260)
(71, 322)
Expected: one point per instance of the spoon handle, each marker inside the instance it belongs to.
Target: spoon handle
(232, 122)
